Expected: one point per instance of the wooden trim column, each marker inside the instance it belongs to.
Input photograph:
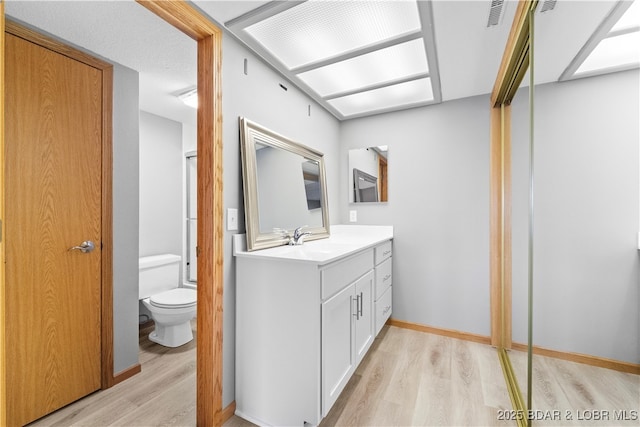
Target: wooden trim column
(500, 231)
(210, 252)
(515, 59)
(210, 233)
(514, 65)
(3, 366)
(108, 379)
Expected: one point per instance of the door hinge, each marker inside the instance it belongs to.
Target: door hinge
(197, 251)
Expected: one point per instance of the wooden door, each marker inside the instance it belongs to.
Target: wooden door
(53, 155)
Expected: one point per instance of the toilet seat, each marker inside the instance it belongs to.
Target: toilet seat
(175, 298)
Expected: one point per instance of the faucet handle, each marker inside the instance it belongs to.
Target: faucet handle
(298, 236)
(298, 232)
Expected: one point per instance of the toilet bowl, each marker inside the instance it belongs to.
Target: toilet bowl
(171, 307)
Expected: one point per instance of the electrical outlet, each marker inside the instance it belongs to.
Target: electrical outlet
(232, 219)
(353, 216)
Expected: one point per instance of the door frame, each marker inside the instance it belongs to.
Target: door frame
(515, 62)
(106, 366)
(210, 212)
(3, 366)
(210, 249)
(514, 65)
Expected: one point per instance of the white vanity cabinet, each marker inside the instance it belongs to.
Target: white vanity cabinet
(347, 330)
(305, 317)
(384, 280)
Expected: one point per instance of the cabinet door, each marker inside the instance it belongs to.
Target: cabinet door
(338, 361)
(364, 324)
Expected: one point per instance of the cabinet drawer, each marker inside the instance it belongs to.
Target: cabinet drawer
(341, 274)
(383, 277)
(383, 309)
(383, 252)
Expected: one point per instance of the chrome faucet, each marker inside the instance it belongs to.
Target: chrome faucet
(298, 236)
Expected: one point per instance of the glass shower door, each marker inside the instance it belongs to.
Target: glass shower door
(192, 217)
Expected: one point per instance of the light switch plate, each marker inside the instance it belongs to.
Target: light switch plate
(353, 216)
(232, 219)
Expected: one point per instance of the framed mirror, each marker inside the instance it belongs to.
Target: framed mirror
(284, 187)
(368, 175)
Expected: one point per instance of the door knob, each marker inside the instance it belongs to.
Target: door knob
(84, 247)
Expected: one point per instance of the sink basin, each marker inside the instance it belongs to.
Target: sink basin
(343, 241)
(318, 250)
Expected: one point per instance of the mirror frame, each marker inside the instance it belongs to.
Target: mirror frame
(250, 134)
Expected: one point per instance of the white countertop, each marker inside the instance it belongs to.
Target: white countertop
(343, 241)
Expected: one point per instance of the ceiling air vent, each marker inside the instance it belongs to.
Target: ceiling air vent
(495, 13)
(548, 5)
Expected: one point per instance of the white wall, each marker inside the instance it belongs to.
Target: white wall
(439, 206)
(125, 218)
(161, 185)
(587, 209)
(161, 190)
(586, 259)
(258, 97)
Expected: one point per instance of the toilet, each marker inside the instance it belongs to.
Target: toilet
(171, 307)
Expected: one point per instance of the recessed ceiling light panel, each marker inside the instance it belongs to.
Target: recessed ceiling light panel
(354, 57)
(316, 30)
(409, 93)
(613, 52)
(614, 45)
(384, 65)
(630, 19)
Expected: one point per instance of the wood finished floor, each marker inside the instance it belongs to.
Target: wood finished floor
(575, 394)
(407, 378)
(415, 378)
(163, 394)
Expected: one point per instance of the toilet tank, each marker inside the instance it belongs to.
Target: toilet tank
(158, 273)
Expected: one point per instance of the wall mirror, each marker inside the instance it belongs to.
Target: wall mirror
(368, 174)
(284, 187)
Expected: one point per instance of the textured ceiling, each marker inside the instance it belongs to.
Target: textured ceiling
(124, 32)
(468, 53)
